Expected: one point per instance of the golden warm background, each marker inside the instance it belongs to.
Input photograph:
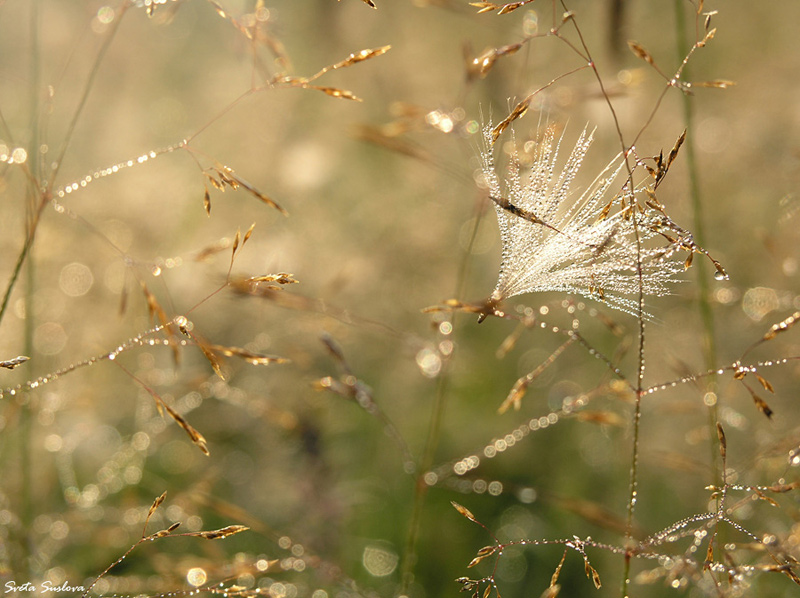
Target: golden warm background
(386, 217)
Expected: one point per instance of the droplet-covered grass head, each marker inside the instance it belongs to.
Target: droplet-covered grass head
(559, 236)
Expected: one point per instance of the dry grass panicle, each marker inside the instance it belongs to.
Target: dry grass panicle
(227, 288)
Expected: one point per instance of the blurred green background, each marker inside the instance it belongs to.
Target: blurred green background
(385, 220)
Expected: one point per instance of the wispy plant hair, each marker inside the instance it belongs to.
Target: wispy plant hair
(558, 238)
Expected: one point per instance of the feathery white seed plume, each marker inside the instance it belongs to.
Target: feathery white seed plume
(556, 239)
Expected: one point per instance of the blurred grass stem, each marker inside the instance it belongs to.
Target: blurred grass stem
(87, 89)
(704, 302)
(435, 428)
(32, 216)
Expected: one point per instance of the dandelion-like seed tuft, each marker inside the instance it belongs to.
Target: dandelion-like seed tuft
(557, 239)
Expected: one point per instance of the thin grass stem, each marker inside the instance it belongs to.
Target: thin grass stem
(26, 448)
(86, 91)
(704, 292)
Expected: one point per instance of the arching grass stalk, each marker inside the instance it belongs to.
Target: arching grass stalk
(37, 198)
(38, 188)
(634, 473)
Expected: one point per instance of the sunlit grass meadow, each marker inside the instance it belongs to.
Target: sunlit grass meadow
(246, 247)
